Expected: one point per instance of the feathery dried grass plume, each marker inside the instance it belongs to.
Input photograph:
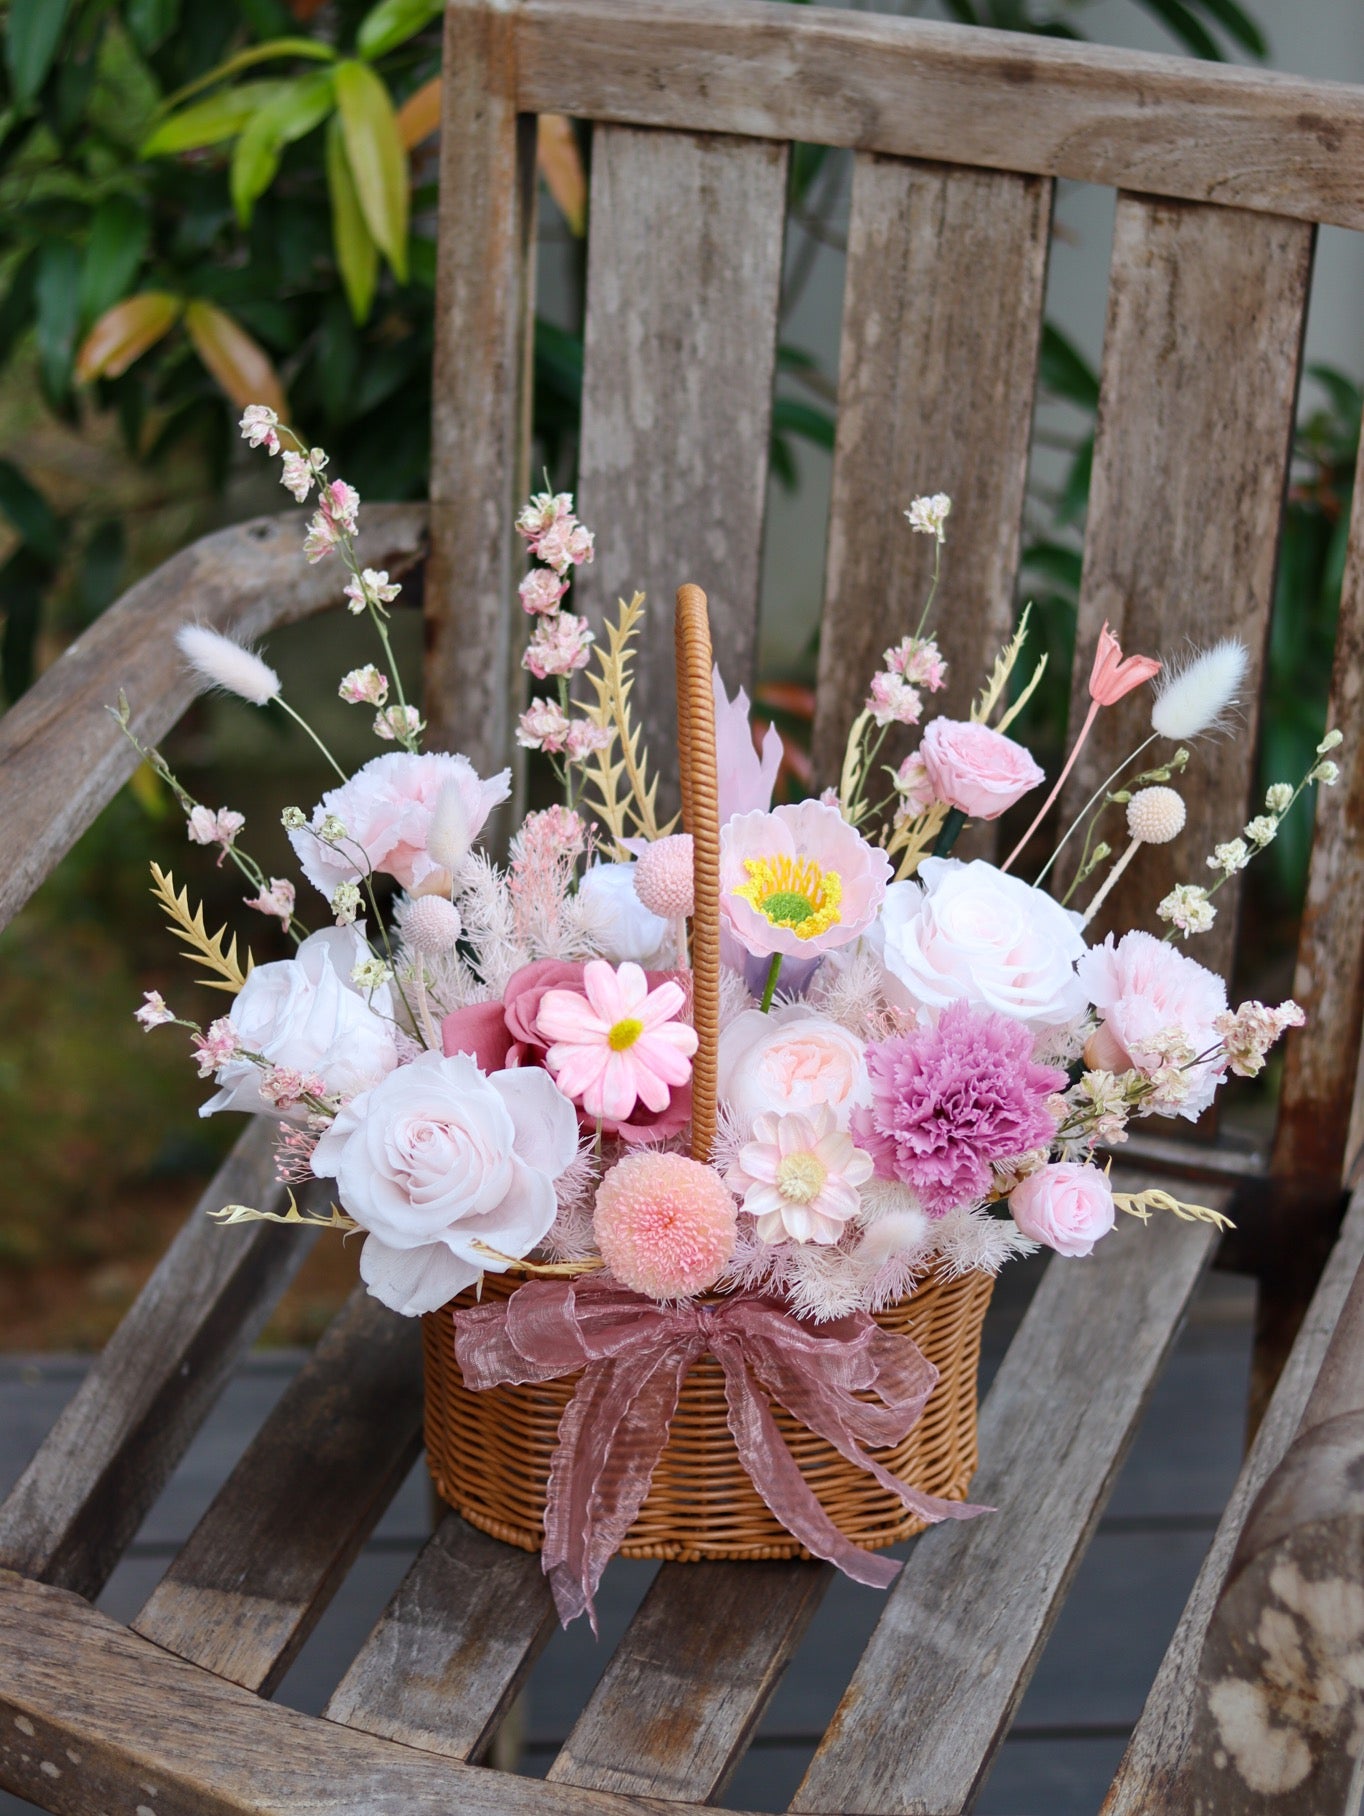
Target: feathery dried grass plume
(189, 926)
(1195, 694)
(333, 1219)
(225, 663)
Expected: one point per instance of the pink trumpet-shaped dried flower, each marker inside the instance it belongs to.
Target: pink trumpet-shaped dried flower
(1114, 675)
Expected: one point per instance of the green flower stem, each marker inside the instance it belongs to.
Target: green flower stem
(770, 987)
(298, 719)
(951, 831)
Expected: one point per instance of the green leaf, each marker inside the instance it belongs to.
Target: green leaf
(295, 111)
(357, 256)
(792, 418)
(393, 22)
(1066, 372)
(1238, 26)
(29, 513)
(118, 240)
(17, 308)
(57, 294)
(23, 581)
(1074, 500)
(32, 33)
(378, 163)
(209, 122)
(1183, 25)
(151, 22)
(247, 59)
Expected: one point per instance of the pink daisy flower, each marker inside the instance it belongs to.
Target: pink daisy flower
(617, 1042)
(799, 1177)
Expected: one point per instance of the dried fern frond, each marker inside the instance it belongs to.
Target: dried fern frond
(634, 811)
(336, 1219)
(1024, 697)
(912, 843)
(1141, 1204)
(190, 928)
(1003, 668)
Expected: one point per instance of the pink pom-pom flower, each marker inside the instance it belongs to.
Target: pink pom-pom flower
(665, 1225)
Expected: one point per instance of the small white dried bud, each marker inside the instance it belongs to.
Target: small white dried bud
(1188, 909)
(1155, 815)
(1279, 797)
(1332, 741)
(1262, 829)
(1232, 856)
(346, 903)
(371, 974)
(1327, 773)
(332, 829)
(293, 819)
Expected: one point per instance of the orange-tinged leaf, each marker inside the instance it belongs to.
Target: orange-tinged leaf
(123, 333)
(419, 115)
(561, 166)
(239, 364)
(378, 162)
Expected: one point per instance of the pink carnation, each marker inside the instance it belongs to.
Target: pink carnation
(1144, 990)
(949, 1101)
(386, 809)
(976, 769)
(665, 1225)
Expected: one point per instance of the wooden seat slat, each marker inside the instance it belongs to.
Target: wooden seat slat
(93, 1717)
(453, 1646)
(913, 88)
(251, 1580)
(1150, 1766)
(680, 349)
(690, 1679)
(942, 323)
(78, 1504)
(1202, 348)
(951, 1656)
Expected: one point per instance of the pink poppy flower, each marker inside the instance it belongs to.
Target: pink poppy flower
(799, 880)
(617, 1043)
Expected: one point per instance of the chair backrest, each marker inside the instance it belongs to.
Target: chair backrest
(959, 136)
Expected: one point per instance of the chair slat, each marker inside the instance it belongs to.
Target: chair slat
(1160, 1741)
(1200, 372)
(914, 88)
(93, 1717)
(1314, 1141)
(942, 319)
(480, 387)
(934, 1693)
(452, 1648)
(689, 1681)
(683, 282)
(111, 1452)
(257, 1571)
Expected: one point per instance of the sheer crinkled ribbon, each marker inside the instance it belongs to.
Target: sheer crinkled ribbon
(634, 1353)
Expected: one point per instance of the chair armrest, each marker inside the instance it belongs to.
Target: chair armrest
(61, 754)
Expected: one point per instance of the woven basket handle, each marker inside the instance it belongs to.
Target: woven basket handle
(701, 818)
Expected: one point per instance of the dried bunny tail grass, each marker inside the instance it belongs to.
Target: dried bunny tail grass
(225, 663)
(450, 839)
(1196, 692)
(968, 1241)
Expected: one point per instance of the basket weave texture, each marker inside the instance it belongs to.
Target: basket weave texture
(489, 1453)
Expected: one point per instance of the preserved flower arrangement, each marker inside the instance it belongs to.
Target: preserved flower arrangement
(717, 1117)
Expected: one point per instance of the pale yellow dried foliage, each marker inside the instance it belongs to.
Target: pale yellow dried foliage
(621, 794)
(1142, 1204)
(190, 928)
(336, 1219)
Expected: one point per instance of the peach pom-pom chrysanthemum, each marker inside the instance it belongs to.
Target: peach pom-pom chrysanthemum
(665, 1225)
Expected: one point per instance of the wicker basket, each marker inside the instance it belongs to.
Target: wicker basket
(489, 1452)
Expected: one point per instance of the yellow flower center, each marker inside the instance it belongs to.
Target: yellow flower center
(624, 1034)
(800, 1176)
(793, 892)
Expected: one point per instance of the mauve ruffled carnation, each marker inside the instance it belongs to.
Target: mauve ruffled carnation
(949, 1100)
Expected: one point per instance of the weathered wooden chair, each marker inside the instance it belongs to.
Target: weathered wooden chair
(959, 137)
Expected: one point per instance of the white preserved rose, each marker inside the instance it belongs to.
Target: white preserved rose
(622, 928)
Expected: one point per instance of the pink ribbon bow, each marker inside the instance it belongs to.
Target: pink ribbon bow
(634, 1354)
